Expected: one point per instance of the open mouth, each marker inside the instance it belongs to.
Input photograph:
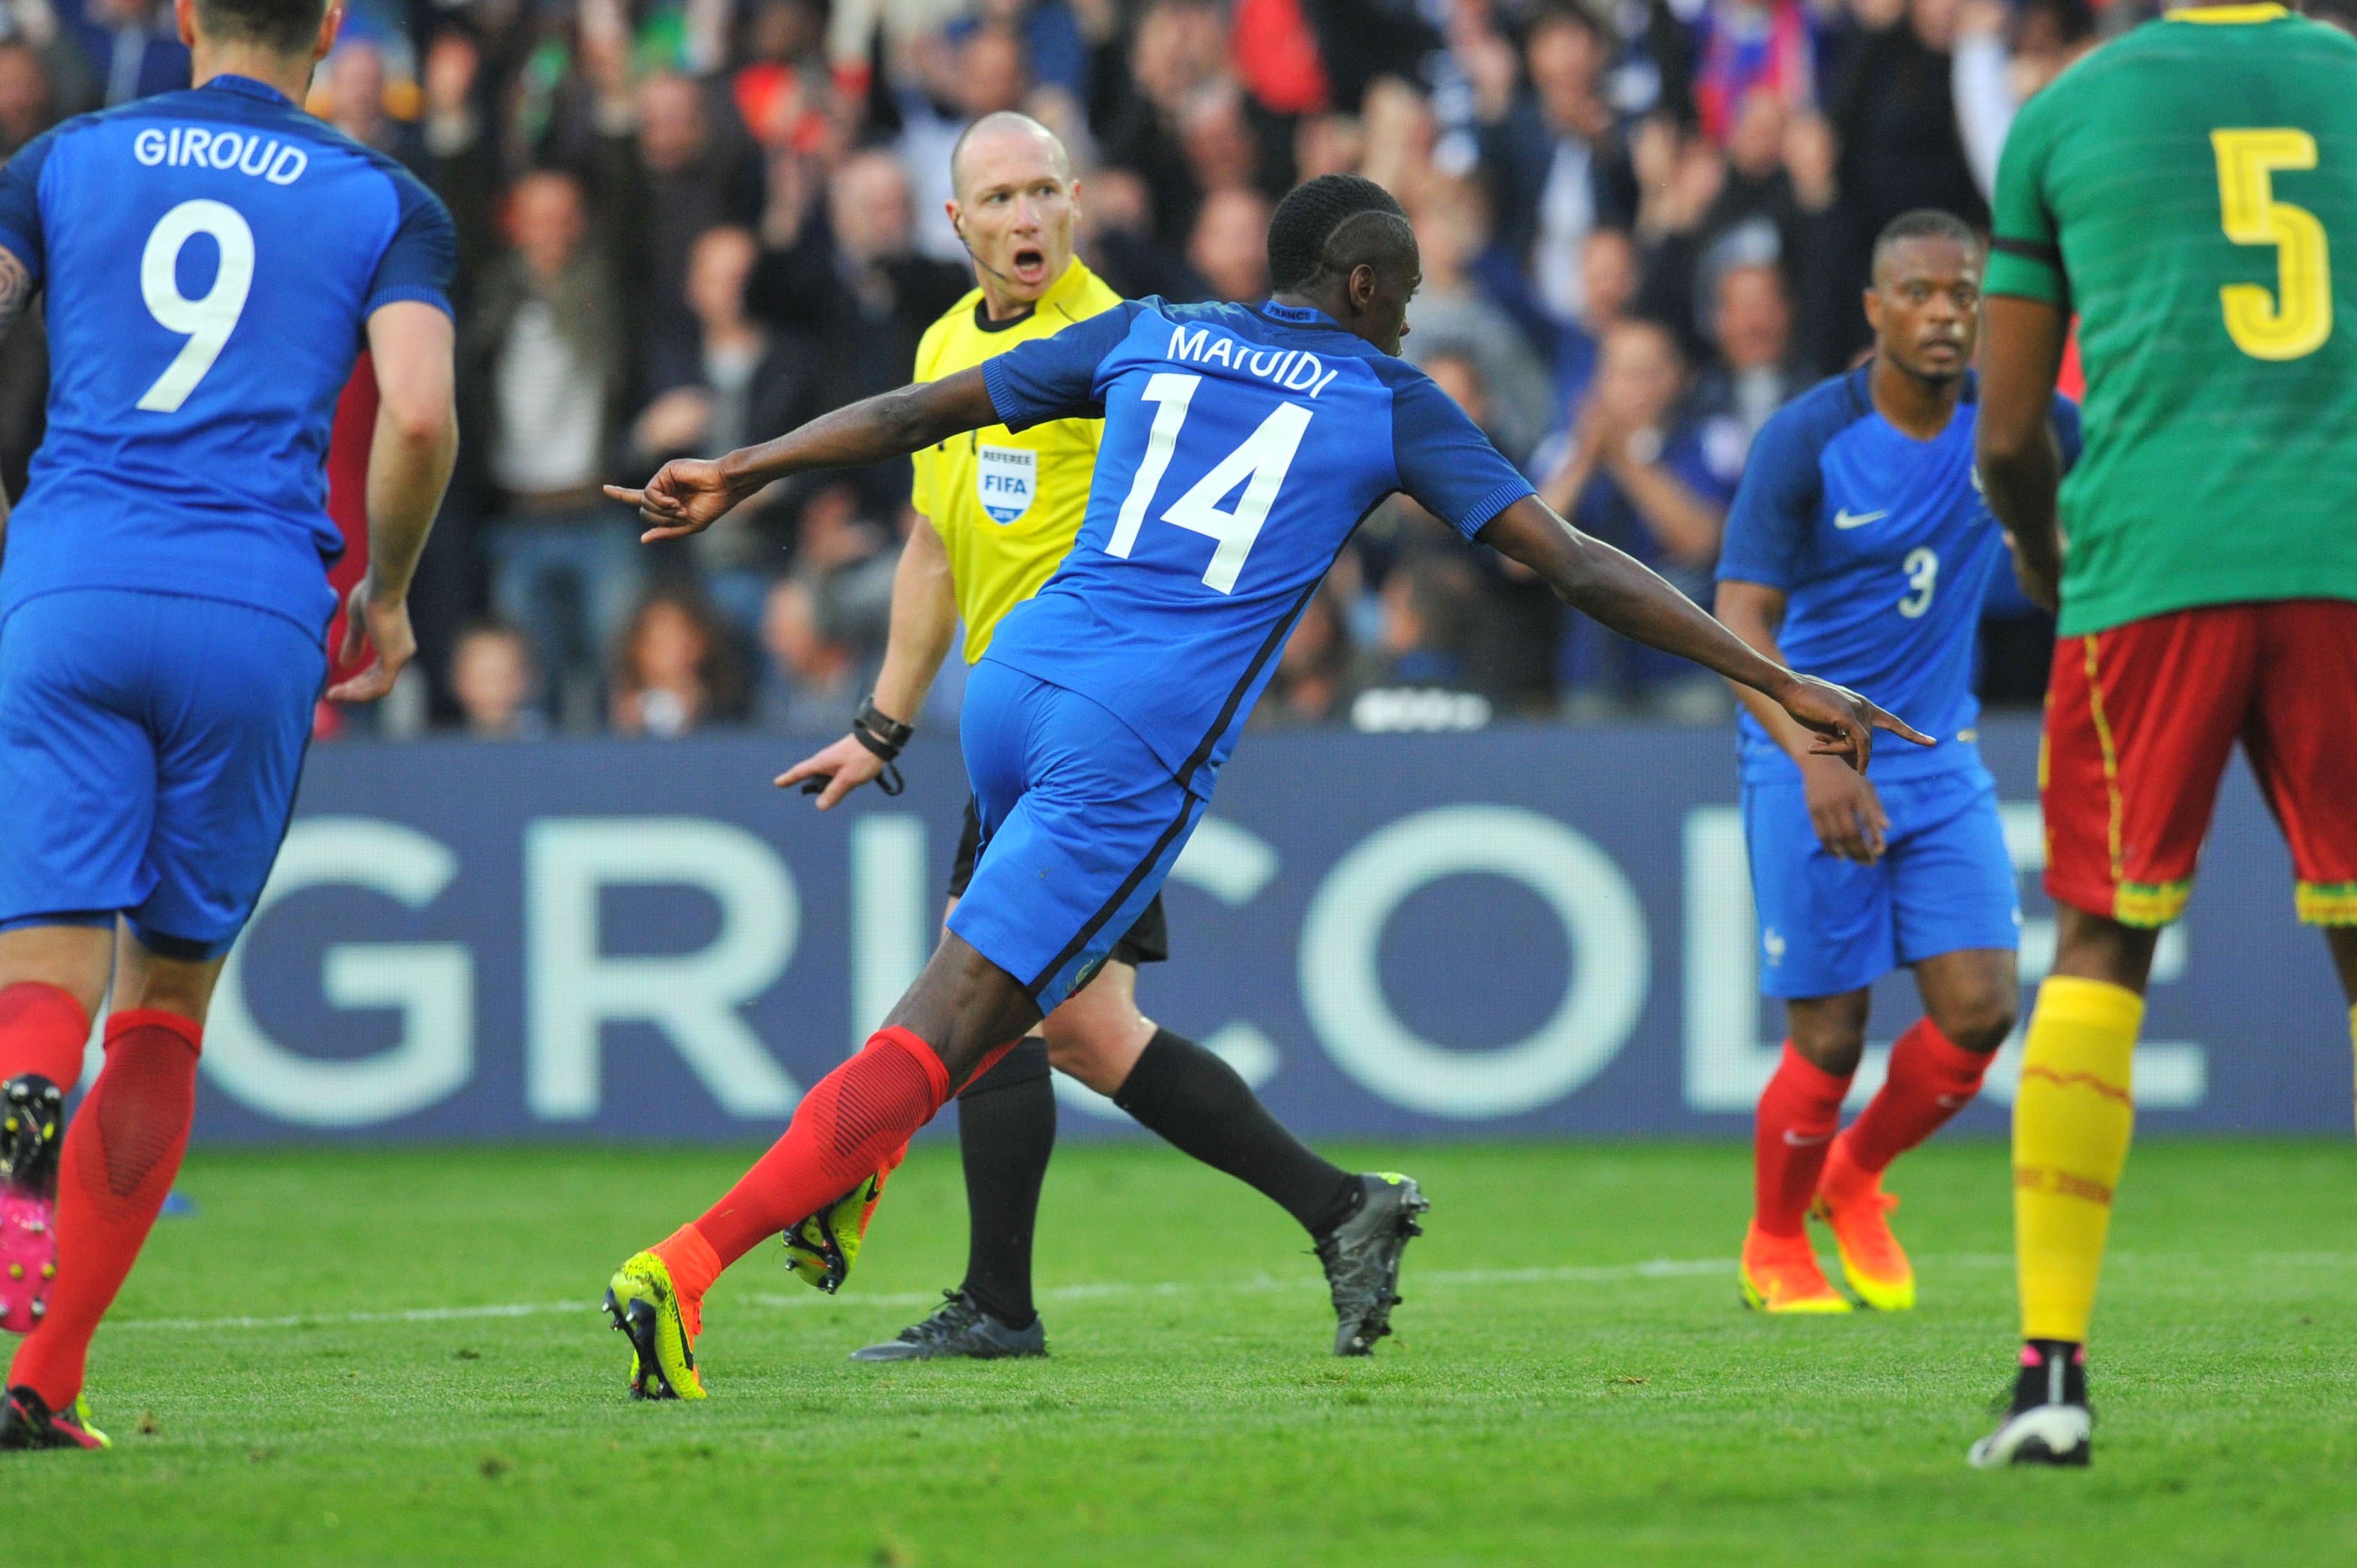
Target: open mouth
(1030, 264)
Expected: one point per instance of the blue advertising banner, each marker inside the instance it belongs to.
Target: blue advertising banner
(1522, 931)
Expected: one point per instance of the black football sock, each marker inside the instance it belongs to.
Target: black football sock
(1007, 1130)
(1205, 1107)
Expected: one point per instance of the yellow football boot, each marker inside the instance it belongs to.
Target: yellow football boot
(646, 1310)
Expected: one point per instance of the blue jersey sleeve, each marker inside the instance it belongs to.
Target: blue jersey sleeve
(20, 204)
(1775, 507)
(423, 256)
(1056, 378)
(1446, 464)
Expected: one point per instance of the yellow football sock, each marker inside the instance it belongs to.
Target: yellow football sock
(2072, 1119)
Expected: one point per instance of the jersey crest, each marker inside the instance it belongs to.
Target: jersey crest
(1005, 479)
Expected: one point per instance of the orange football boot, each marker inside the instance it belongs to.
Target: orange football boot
(1851, 1201)
(1781, 1274)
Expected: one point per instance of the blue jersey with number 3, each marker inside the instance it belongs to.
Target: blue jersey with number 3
(210, 260)
(1242, 446)
(1884, 550)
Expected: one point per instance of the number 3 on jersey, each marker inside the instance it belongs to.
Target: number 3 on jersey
(207, 321)
(1259, 463)
(2296, 319)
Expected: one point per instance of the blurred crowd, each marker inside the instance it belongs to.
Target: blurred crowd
(688, 224)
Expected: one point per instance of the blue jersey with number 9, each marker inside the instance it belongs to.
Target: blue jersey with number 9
(210, 260)
(1241, 447)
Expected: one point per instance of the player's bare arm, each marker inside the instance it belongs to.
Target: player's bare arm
(689, 495)
(415, 445)
(1842, 805)
(1621, 592)
(2020, 459)
(15, 294)
(924, 623)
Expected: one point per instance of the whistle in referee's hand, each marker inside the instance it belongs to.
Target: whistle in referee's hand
(817, 782)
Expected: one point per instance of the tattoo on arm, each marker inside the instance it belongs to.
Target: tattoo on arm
(15, 290)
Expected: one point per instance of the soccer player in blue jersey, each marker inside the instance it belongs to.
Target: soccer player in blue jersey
(1859, 546)
(1241, 447)
(213, 261)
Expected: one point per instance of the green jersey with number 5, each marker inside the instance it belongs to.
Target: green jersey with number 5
(2189, 190)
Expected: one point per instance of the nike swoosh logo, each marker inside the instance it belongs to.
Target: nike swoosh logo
(1804, 1143)
(1846, 519)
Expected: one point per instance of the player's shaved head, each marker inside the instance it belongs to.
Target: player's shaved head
(1006, 124)
(1333, 224)
(282, 26)
(1923, 223)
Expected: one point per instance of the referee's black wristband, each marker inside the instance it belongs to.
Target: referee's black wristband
(882, 726)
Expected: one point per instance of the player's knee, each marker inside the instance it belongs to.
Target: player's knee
(1831, 1048)
(1981, 1022)
(1086, 1054)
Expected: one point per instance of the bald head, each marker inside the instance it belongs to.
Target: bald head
(1013, 205)
(1006, 131)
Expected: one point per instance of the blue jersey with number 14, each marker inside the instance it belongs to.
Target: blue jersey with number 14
(1241, 447)
(210, 260)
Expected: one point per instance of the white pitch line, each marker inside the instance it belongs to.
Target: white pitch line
(1658, 1268)
(1566, 1273)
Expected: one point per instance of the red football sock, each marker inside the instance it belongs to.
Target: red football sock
(847, 1127)
(1797, 1117)
(42, 1030)
(121, 1154)
(1932, 1079)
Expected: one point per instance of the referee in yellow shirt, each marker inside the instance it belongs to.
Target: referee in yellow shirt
(1003, 510)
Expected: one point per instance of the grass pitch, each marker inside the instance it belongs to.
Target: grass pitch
(1571, 1383)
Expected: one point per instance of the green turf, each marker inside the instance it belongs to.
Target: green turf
(1548, 1399)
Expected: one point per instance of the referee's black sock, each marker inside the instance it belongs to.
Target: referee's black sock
(1007, 1130)
(1204, 1107)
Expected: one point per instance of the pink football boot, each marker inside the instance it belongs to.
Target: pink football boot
(32, 1115)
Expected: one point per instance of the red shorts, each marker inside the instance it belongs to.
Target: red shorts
(2139, 723)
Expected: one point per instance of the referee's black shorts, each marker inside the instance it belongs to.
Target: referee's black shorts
(1147, 941)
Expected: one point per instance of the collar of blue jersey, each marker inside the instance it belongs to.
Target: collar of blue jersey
(246, 86)
(1298, 315)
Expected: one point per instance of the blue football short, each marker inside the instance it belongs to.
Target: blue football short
(1081, 822)
(149, 749)
(1827, 925)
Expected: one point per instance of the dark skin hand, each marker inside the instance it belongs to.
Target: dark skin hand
(2020, 458)
(1924, 308)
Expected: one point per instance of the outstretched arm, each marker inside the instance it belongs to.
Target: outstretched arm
(690, 495)
(2020, 458)
(1621, 592)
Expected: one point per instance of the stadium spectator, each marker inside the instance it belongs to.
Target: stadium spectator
(1510, 646)
(27, 101)
(1229, 248)
(854, 286)
(1555, 158)
(1314, 682)
(1749, 326)
(544, 360)
(674, 669)
(132, 47)
(1178, 47)
(1430, 601)
(814, 682)
(496, 681)
(355, 92)
(1894, 108)
(688, 175)
(1639, 473)
(1451, 315)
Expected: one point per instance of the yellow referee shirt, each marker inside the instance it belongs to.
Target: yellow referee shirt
(1007, 507)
